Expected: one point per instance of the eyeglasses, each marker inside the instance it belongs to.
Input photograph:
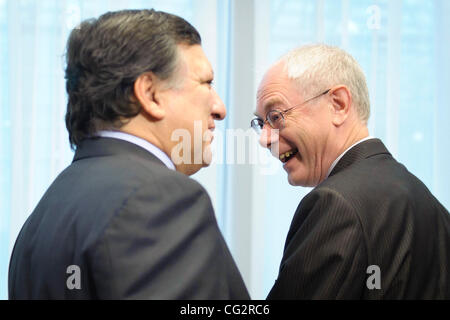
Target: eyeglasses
(275, 118)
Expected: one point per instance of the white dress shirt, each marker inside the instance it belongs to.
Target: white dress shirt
(141, 143)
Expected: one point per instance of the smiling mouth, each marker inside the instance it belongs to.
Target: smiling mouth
(285, 157)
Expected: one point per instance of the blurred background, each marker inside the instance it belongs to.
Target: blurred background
(403, 47)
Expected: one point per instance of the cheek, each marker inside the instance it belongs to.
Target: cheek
(203, 104)
(299, 132)
(309, 138)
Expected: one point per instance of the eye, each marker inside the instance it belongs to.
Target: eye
(260, 123)
(210, 83)
(274, 116)
(257, 122)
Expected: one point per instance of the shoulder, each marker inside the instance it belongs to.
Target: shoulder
(376, 179)
(129, 171)
(328, 202)
(155, 189)
(170, 183)
(152, 185)
(127, 192)
(322, 210)
(384, 196)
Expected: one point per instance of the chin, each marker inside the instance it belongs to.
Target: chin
(300, 182)
(207, 156)
(295, 183)
(189, 170)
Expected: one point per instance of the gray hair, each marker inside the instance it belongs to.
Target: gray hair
(104, 58)
(319, 67)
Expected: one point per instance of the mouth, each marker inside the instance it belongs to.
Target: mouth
(286, 156)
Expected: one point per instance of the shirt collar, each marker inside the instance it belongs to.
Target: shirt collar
(141, 143)
(342, 154)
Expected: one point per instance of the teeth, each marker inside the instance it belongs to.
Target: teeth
(286, 155)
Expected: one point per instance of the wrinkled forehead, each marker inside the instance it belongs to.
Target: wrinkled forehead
(276, 73)
(276, 89)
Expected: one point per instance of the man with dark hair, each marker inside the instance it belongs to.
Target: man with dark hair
(124, 221)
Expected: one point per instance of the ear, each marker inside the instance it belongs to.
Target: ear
(146, 92)
(341, 99)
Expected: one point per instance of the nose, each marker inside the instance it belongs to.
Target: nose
(268, 136)
(219, 111)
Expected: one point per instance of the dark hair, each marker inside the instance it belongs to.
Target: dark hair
(104, 58)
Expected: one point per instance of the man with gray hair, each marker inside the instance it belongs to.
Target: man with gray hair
(369, 229)
(124, 220)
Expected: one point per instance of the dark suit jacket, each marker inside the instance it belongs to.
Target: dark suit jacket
(369, 211)
(136, 230)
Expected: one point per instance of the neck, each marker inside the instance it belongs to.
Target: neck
(146, 130)
(137, 127)
(356, 134)
(349, 138)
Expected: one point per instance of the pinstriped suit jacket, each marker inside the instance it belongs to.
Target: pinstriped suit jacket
(370, 211)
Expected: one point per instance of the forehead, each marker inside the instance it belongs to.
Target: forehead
(194, 61)
(276, 89)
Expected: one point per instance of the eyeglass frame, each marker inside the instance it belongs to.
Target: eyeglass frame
(259, 127)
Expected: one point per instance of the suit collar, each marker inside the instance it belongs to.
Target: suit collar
(157, 152)
(363, 150)
(102, 147)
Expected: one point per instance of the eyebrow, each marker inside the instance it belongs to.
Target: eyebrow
(268, 105)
